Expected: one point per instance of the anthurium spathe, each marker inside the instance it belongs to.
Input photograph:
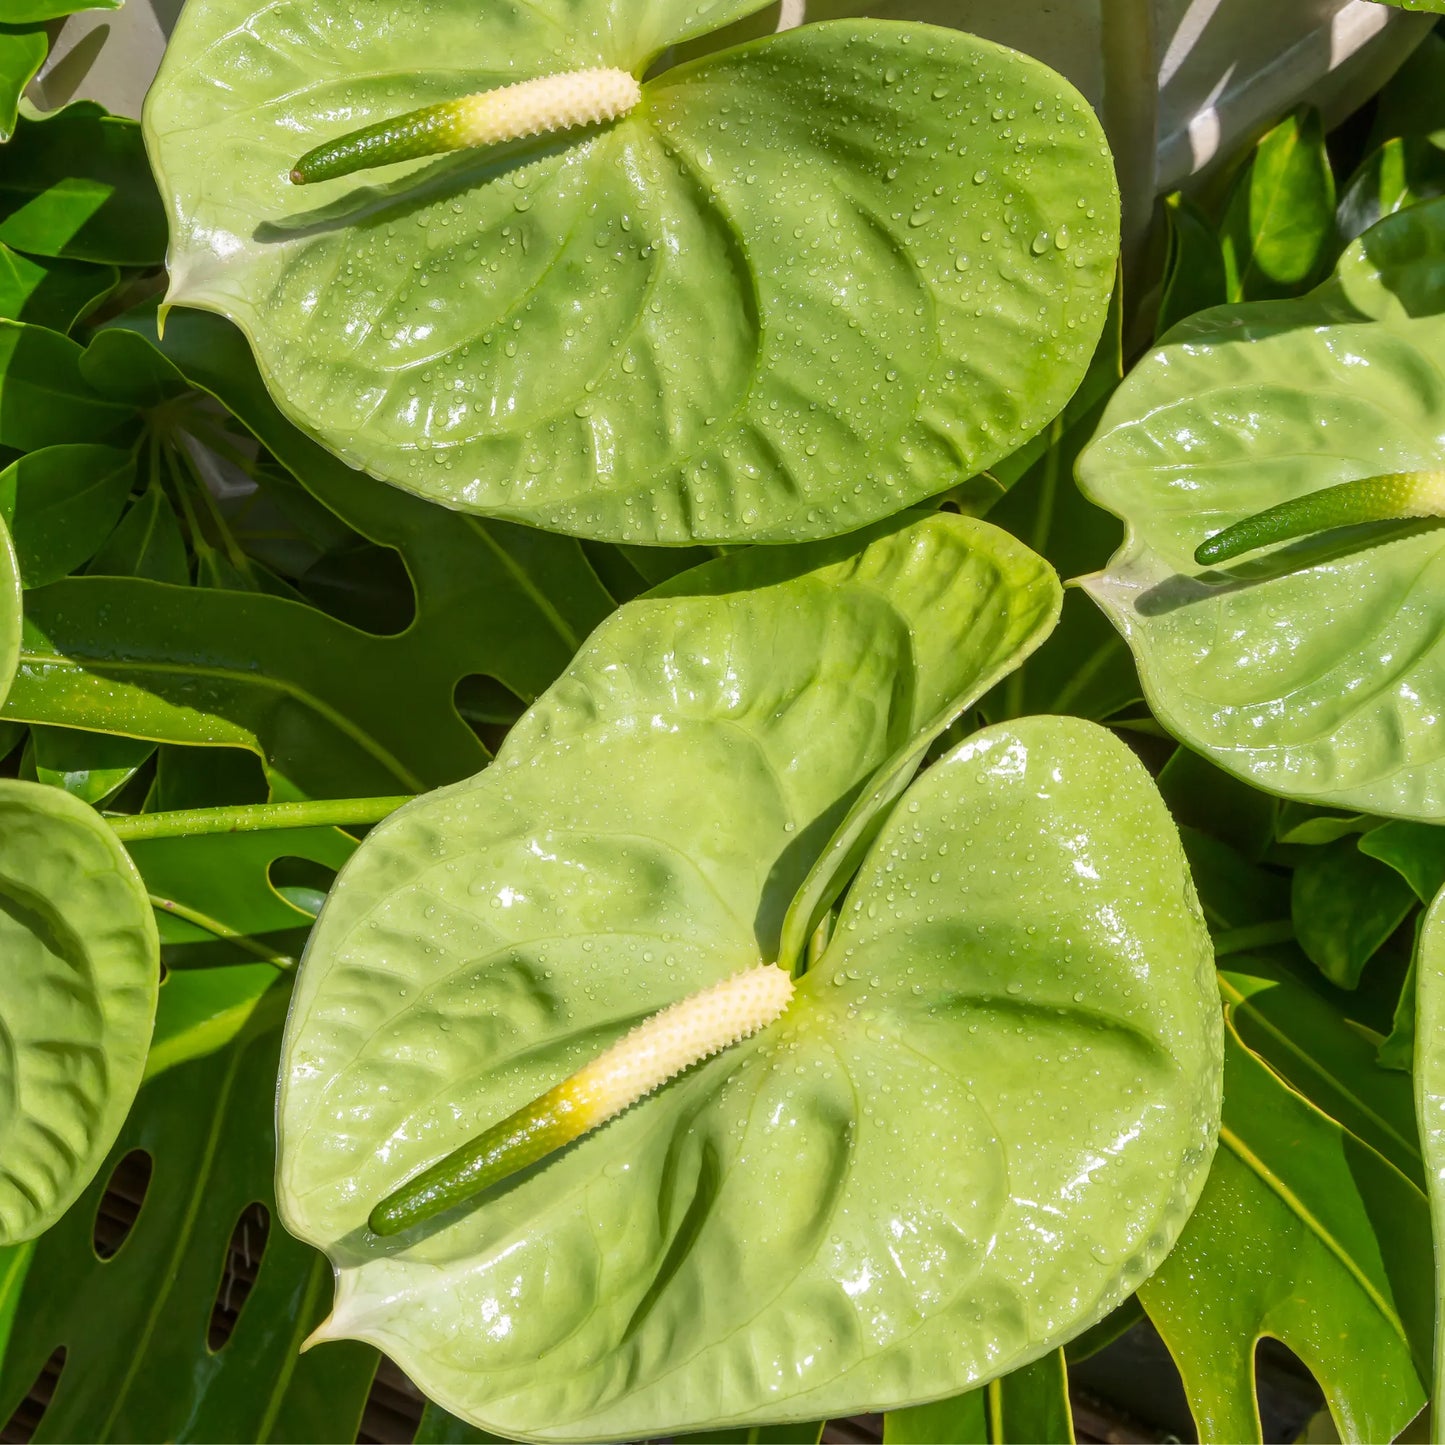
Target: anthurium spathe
(795, 287)
(1308, 432)
(979, 1120)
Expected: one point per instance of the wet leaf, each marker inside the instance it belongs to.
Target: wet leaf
(77, 1000)
(641, 834)
(1311, 671)
(806, 282)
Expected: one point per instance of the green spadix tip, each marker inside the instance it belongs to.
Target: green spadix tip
(644, 1059)
(1390, 497)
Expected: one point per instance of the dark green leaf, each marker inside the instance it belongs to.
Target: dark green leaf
(1430, 1098)
(1302, 824)
(135, 1326)
(1345, 905)
(48, 292)
(1194, 277)
(1397, 1049)
(89, 766)
(438, 1427)
(1306, 1234)
(1081, 669)
(1233, 892)
(27, 12)
(216, 899)
(126, 366)
(23, 48)
(1202, 796)
(1416, 851)
(1028, 1407)
(1403, 172)
(76, 184)
(44, 400)
(147, 542)
(61, 503)
(1413, 100)
(1280, 223)
(1314, 1049)
(332, 712)
(1109, 1329)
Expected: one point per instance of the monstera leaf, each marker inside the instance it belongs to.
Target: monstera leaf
(81, 967)
(974, 1131)
(1316, 670)
(805, 282)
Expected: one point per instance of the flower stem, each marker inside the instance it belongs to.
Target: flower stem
(252, 817)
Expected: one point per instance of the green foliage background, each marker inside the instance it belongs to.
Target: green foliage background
(217, 613)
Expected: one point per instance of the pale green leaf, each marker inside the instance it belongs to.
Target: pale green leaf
(641, 834)
(1314, 671)
(806, 282)
(77, 1000)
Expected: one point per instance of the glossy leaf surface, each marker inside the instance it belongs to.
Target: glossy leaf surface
(205, 1117)
(1315, 670)
(89, 766)
(806, 282)
(638, 837)
(1280, 221)
(48, 292)
(61, 503)
(23, 48)
(76, 185)
(77, 999)
(1304, 1232)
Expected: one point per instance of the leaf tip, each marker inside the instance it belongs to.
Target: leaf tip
(323, 1332)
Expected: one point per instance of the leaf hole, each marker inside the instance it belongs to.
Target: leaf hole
(20, 1428)
(393, 1407)
(302, 882)
(120, 1205)
(488, 707)
(1289, 1395)
(238, 1274)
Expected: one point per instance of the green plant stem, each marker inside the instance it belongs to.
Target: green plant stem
(253, 817)
(221, 930)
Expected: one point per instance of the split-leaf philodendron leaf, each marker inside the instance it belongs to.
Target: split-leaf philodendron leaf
(79, 971)
(803, 284)
(981, 1122)
(1315, 670)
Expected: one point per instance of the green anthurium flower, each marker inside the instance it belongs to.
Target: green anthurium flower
(79, 974)
(974, 1123)
(1279, 467)
(774, 293)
